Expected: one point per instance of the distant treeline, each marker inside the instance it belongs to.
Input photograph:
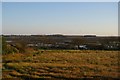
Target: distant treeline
(18, 43)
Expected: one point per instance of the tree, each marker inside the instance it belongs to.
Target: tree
(21, 46)
(4, 45)
(78, 42)
(7, 48)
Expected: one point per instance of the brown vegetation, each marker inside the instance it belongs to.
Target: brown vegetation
(57, 64)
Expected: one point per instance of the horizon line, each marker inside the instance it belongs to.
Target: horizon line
(61, 34)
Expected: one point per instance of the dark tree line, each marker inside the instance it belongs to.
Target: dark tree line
(20, 43)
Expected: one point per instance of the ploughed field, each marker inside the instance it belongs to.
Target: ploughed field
(61, 64)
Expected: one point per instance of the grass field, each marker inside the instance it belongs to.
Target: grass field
(57, 64)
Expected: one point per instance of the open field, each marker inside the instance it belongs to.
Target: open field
(57, 64)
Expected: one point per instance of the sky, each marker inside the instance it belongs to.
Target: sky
(69, 18)
(60, 0)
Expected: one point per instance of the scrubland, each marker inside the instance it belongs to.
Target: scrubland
(61, 64)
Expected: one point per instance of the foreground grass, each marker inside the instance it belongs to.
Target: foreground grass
(62, 64)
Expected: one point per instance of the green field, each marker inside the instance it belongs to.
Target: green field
(57, 64)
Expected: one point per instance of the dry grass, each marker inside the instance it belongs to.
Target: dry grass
(62, 64)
